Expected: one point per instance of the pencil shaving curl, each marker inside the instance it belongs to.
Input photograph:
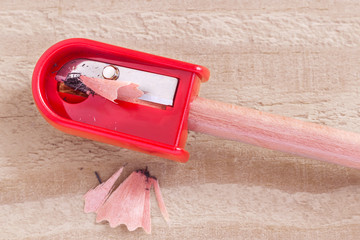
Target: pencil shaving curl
(129, 204)
(113, 90)
(97, 196)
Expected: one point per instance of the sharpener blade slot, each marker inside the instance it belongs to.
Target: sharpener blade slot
(157, 88)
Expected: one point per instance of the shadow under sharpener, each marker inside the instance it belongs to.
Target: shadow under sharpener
(158, 131)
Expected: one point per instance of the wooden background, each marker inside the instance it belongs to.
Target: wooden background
(295, 58)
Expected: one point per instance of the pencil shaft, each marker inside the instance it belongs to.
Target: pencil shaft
(275, 132)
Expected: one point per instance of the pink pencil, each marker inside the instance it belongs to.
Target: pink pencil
(266, 130)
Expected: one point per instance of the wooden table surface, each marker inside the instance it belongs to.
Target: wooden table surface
(295, 58)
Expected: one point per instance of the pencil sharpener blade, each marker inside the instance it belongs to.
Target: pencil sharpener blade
(157, 88)
(161, 131)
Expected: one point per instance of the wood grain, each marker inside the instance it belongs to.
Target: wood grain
(294, 58)
(275, 132)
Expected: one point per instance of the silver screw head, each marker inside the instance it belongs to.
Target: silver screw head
(111, 72)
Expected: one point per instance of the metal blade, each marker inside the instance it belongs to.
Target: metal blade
(157, 88)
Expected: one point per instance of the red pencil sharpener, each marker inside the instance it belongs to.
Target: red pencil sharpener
(161, 131)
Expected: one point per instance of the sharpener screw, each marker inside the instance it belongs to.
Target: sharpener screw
(111, 72)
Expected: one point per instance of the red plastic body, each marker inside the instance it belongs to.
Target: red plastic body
(160, 132)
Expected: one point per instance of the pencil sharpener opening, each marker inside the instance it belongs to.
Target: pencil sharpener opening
(158, 131)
